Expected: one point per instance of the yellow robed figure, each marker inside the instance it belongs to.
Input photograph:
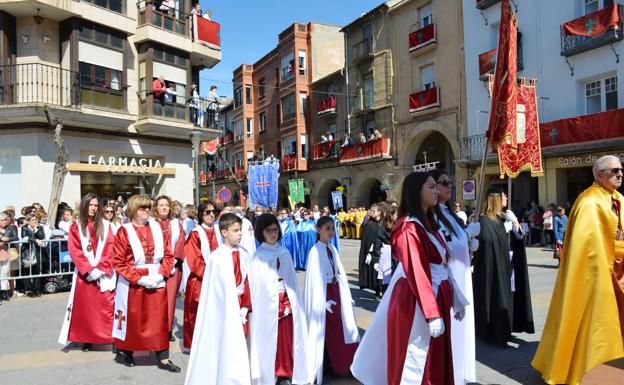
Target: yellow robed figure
(582, 328)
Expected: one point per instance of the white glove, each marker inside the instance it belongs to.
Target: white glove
(459, 315)
(473, 229)
(436, 327)
(158, 282)
(146, 281)
(329, 304)
(473, 245)
(510, 216)
(173, 271)
(243, 314)
(95, 274)
(369, 258)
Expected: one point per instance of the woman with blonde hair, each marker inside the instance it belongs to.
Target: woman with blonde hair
(163, 212)
(143, 260)
(493, 300)
(111, 216)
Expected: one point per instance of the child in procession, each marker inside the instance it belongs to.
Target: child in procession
(328, 304)
(278, 328)
(219, 354)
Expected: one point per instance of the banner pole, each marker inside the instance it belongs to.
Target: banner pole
(482, 180)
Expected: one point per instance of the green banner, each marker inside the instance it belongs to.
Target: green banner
(296, 191)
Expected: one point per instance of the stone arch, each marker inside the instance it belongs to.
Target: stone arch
(324, 197)
(416, 136)
(368, 192)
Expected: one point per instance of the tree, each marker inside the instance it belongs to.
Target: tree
(60, 166)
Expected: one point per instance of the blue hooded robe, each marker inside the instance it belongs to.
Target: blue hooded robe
(306, 236)
(289, 238)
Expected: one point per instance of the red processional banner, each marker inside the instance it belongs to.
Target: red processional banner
(595, 23)
(527, 153)
(422, 37)
(503, 109)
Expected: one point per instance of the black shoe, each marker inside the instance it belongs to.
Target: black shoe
(171, 337)
(87, 347)
(125, 359)
(283, 381)
(169, 366)
(115, 351)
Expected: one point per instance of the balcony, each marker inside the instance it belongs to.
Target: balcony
(422, 38)
(471, 148)
(203, 178)
(363, 102)
(326, 106)
(363, 50)
(600, 128)
(289, 162)
(174, 28)
(424, 100)
(223, 173)
(228, 138)
(484, 4)
(374, 149)
(487, 63)
(325, 150)
(577, 35)
(25, 89)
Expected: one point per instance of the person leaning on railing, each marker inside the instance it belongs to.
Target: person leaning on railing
(8, 233)
(33, 253)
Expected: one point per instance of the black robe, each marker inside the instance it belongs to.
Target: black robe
(367, 273)
(522, 309)
(493, 299)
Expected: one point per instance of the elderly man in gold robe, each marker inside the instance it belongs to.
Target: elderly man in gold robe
(584, 326)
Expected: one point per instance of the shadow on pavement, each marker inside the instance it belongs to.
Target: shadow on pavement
(513, 362)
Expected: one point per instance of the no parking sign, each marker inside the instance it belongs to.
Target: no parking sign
(225, 195)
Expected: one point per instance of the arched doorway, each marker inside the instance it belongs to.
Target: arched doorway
(282, 196)
(370, 192)
(435, 148)
(324, 197)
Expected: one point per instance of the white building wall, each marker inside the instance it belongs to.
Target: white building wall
(539, 22)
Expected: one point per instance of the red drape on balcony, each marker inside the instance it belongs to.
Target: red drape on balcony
(487, 60)
(210, 146)
(372, 149)
(422, 37)
(207, 32)
(594, 24)
(323, 150)
(289, 162)
(528, 154)
(424, 99)
(585, 128)
(326, 105)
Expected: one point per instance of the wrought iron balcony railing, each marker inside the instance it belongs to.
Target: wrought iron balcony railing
(363, 49)
(484, 4)
(575, 44)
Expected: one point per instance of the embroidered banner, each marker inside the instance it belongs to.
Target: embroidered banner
(594, 24)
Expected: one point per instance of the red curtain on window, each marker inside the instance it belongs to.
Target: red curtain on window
(594, 24)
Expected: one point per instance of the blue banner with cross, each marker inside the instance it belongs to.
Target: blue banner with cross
(263, 184)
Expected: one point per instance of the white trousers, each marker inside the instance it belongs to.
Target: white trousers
(5, 272)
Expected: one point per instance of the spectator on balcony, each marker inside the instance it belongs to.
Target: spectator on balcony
(207, 15)
(213, 106)
(362, 138)
(348, 141)
(168, 7)
(170, 93)
(376, 135)
(329, 136)
(196, 9)
(159, 88)
(194, 106)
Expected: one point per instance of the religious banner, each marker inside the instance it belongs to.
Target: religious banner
(503, 109)
(263, 184)
(595, 23)
(296, 191)
(422, 37)
(424, 100)
(527, 154)
(585, 128)
(487, 62)
(336, 199)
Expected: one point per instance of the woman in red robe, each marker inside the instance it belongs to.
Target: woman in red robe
(202, 241)
(143, 260)
(172, 229)
(89, 314)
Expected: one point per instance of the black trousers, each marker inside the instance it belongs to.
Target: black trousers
(160, 355)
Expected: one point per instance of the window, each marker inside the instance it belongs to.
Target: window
(304, 144)
(427, 77)
(426, 15)
(597, 100)
(289, 108)
(170, 56)
(101, 86)
(113, 5)
(288, 66)
(330, 90)
(101, 36)
(369, 91)
(248, 94)
(250, 155)
(370, 127)
(250, 128)
(238, 130)
(302, 62)
(303, 103)
(591, 6)
(262, 121)
(367, 38)
(238, 97)
(290, 145)
(239, 160)
(261, 88)
(278, 115)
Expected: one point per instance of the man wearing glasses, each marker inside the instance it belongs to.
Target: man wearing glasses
(585, 322)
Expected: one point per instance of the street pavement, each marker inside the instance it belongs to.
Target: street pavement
(29, 353)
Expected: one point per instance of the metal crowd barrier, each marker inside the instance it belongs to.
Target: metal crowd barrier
(53, 260)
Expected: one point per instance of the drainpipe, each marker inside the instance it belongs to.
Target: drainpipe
(346, 76)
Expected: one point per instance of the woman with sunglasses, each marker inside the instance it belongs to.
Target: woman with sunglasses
(89, 315)
(143, 260)
(172, 229)
(203, 240)
(460, 242)
(109, 215)
(278, 329)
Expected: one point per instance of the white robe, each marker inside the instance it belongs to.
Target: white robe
(263, 328)
(318, 275)
(462, 332)
(248, 241)
(219, 354)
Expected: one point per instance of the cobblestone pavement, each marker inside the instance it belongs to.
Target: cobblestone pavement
(29, 353)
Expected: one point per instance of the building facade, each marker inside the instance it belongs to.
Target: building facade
(581, 96)
(92, 68)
